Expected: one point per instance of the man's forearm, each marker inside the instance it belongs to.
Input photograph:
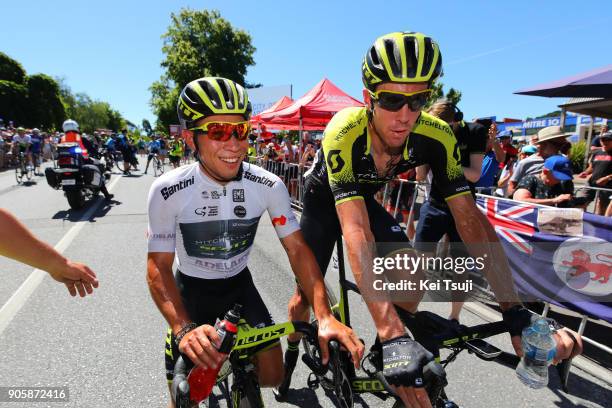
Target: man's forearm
(482, 242)
(361, 252)
(166, 296)
(311, 281)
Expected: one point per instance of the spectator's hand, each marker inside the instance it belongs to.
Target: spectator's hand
(198, 345)
(562, 198)
(584, 174)
(77, 277)
(493, 131)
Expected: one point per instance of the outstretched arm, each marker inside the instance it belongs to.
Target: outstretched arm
(17, 242)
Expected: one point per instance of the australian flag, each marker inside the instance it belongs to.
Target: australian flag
(557, 256)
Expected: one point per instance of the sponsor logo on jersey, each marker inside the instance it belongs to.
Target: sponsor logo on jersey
(259, 179)
(210, 211)
(345, 130)
(240, 211)
(437, 125)
(205, 195)
(346, 194)
(334, 161)
(238, 195)
(215, 195)
(167, 192)
(161, 236)
(282, 220)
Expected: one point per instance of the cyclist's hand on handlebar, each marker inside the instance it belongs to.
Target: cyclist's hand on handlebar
(569, 344)
(198, 345)
(330, 329)
(403, 362)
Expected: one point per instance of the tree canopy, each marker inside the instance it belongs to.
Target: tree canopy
(11, 70)
(198, 43)
(452, 95)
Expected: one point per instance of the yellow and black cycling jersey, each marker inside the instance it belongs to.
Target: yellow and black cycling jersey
(345, 164)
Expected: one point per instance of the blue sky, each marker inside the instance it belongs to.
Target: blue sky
(112, 49)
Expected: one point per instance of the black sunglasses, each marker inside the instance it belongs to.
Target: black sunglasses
(394, 100)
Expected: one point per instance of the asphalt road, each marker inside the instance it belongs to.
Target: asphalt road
(108, 348)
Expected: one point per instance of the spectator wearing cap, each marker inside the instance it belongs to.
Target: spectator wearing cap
(553, 186)
(505, 139)
(600, 172)
(550, 140)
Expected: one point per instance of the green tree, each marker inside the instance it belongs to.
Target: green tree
(46, 109)
(452, 95)
(196, 44)
(13, 102)
(11, 70)
(146, 125)
(115, 120)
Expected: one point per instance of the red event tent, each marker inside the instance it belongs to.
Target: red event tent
(313, 110)
(280, 104)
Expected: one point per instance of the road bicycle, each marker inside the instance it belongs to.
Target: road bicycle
(244, 391)
(23, 169)
(432, 331)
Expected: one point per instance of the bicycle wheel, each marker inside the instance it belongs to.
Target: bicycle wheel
(29, 171)
(18, 174)
(248, 394)
(37, 164)
(119, 161)
(335, 380)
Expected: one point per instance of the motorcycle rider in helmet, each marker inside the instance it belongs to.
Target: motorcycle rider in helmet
(72, 135)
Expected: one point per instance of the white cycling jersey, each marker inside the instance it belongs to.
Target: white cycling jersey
(212, 227)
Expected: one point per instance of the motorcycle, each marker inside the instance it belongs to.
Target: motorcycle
(79, 180)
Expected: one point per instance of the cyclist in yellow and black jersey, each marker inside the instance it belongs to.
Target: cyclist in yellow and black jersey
(362, 149)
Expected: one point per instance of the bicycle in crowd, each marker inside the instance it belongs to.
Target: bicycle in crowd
(429, 329)
(23, 169)
(244, 390)
(112, 158)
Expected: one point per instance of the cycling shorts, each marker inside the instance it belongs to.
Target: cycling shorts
(321, 227)
(174, 159)
(207, 300)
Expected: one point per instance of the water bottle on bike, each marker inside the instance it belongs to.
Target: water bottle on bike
(539, 349)
(201, 381)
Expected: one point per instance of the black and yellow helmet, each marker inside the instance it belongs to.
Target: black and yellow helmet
(211, 96)
(403, 57)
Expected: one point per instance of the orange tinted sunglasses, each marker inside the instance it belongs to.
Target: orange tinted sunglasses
(223, 131)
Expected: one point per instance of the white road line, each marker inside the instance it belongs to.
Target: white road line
(22, 294)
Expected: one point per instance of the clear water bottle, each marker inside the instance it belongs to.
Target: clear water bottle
(539, 348)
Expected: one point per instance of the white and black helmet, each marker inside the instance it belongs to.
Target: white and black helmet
(70, 126)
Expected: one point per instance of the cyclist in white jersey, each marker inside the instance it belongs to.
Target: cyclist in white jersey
(207, 213)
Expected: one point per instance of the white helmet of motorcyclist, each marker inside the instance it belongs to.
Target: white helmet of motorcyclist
(70, 126)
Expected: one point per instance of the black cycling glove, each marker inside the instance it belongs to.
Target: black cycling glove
(403, 361)
(517, 318)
